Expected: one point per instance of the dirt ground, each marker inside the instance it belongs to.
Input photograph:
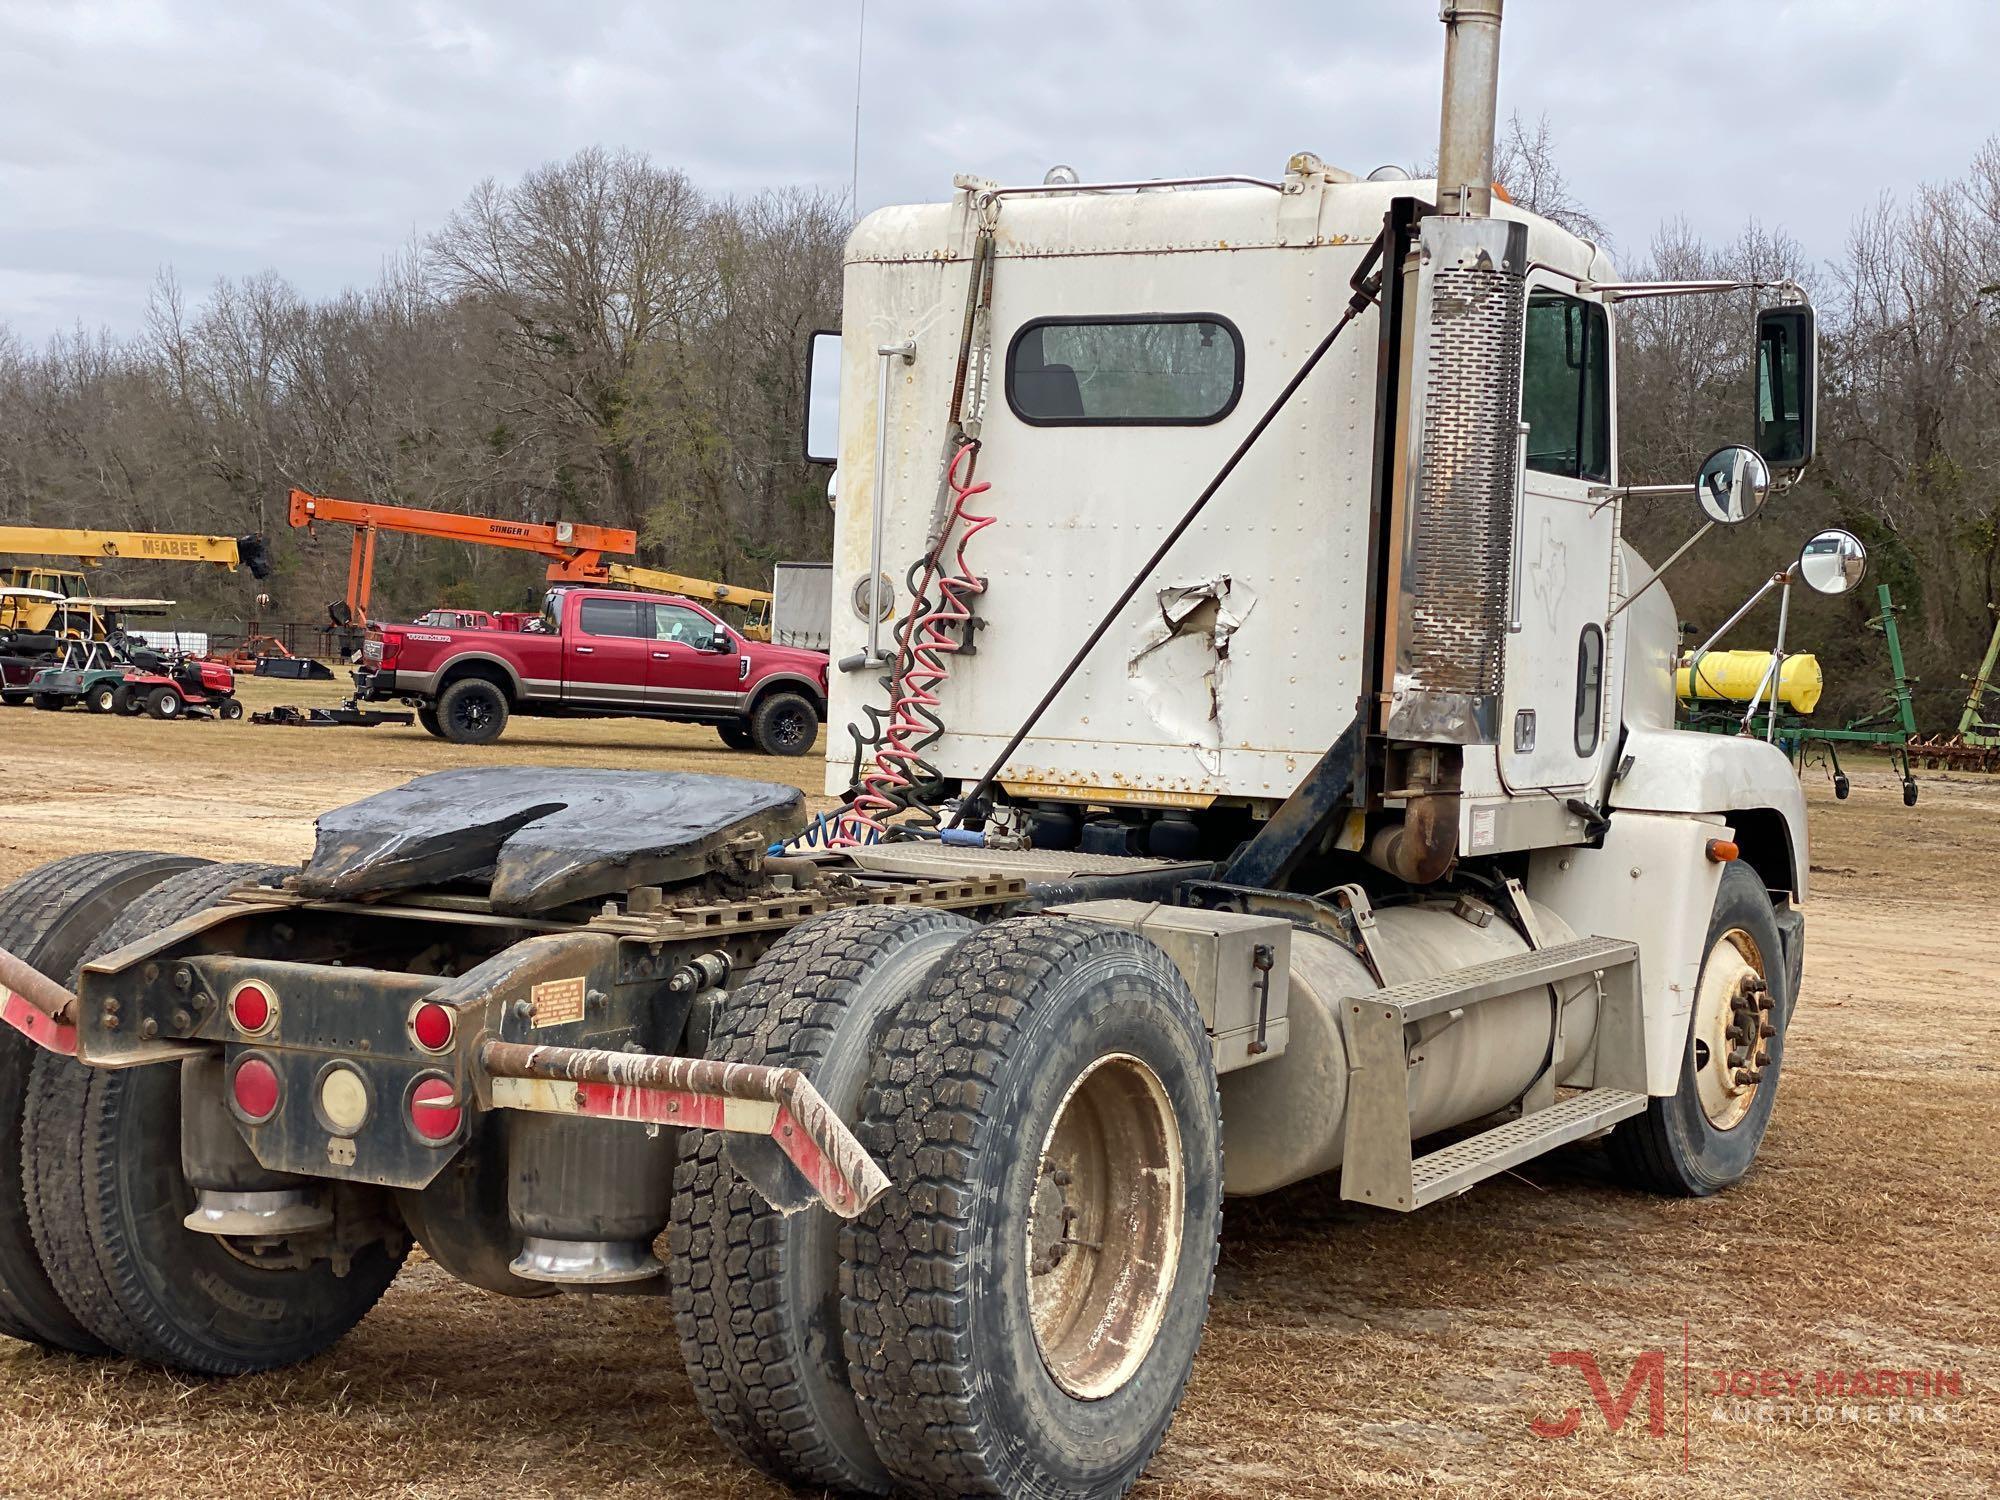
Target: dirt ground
(1348, 1352)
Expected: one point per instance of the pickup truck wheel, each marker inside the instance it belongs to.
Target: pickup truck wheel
(164, 703)
(756, 1292)
(106, 1200)
(1022, 1308)
(102, 699)
(427, 715)
(784, 724)
(1704, 1136)
(472, 711)
(47, 919)
(736, 736)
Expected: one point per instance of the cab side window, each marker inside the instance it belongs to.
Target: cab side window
(1566, 387)
(626, 617)
(672, 623)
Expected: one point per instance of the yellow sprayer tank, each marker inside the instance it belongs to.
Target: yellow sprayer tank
(1733, 676)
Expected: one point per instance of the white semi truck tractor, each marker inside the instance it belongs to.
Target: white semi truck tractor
(1254, 758)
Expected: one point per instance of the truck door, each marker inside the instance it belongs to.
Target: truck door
(686, 672)
(1552, 729)
(608, 653)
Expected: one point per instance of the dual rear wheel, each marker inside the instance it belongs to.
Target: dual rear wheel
(1020, 1313)
(94, 1255)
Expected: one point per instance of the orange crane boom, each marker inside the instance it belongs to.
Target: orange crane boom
(576, 551)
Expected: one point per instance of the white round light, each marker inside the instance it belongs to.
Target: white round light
(1060, 176)
(343, 1099)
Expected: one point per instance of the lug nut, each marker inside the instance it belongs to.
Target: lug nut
(1766, 1030)
(1738, 1056)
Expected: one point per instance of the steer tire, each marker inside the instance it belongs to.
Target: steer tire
(48, 918)
(106, 1199)
(1675, 1147)
(756, 1292)
(784, 724)
(102, 698)
(472, 711)
(998, 1348)
(165, 703)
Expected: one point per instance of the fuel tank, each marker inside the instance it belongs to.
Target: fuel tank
(1285, 1120)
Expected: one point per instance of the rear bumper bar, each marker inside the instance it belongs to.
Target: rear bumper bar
(643, 1088)
(693, 1092)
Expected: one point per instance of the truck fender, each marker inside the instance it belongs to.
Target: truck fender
(792, 682)
(1749, 783)
(483, 665)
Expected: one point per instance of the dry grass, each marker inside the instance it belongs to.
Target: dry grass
(1348, 1351)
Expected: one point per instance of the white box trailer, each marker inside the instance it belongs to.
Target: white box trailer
(802, 604)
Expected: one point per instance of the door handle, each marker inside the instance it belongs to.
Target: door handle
(584, 650)
(663, 656)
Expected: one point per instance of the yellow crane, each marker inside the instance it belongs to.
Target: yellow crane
(94, 547)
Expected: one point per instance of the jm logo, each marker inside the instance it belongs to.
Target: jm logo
(1649, 1374)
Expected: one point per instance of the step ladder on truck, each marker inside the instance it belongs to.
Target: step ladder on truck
(1348, 810)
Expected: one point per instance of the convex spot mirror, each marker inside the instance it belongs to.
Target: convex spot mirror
(1787, 385)
(1834, 562)
(1733, 484)
(822, 445)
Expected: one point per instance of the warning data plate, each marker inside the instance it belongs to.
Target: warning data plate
(556, 1002)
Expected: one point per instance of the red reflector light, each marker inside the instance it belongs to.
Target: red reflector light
(432, 1025)
(255, 1087)
(252, 1007)
(432, 1116)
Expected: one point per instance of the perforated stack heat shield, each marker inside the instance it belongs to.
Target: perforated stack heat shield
(1463, 468)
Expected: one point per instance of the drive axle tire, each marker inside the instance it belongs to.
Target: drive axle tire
(51, 702)
(106, 1200)
(47, 919)
(472, 711)
(784, 724)
(1704, 1136)
(102, 698)
(1022, 1309)
(756, 1292)
(427, 715)
(736, 736)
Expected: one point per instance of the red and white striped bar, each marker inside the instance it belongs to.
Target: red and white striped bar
(34, 1004)
(697, 1093)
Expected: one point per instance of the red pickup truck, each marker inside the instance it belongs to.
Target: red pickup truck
(599, 653)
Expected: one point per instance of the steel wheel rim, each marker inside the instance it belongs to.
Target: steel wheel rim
(1731, 1006)
(791, 728)
(1104, 1226)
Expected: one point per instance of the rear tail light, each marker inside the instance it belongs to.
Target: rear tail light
(253, 1088)
(253, 1007)
(387, 649)
(435, 1113)
(432, 1025)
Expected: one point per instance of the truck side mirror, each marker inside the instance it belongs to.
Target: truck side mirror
(1834, 562)
(1787, 385)
(822, 434)
(1733, 484)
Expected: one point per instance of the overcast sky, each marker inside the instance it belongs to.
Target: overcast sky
(317, 138)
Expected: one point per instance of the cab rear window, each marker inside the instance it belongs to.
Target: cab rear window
(1150, 370)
